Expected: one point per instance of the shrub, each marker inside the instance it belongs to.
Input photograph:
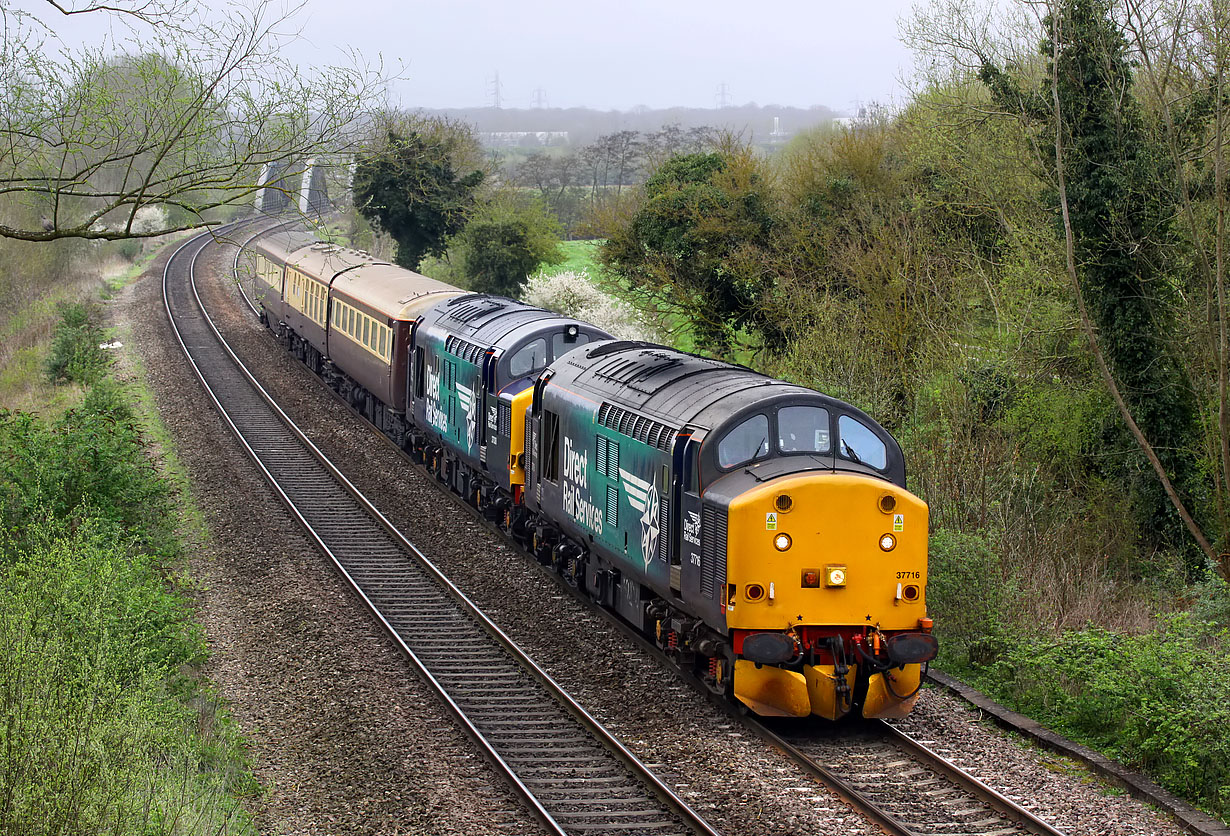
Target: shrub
(573, 295)
(966, 594)
(1159, 701)
(504, 243)
(75, 354)
(92, 460)
(92, 736)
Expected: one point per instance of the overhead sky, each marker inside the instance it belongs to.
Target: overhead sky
(614, 54)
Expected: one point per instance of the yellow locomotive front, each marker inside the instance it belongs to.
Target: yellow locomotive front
(825, 596)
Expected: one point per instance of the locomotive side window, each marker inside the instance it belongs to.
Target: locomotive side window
(528, 359)
(803, 429)
(749, 440)
(550, 446)
(860, 444)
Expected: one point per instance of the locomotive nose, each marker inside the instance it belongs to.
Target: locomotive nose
(833, 563)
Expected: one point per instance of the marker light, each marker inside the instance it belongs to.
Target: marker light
(834, 575)
(888, 542)
(782, 541)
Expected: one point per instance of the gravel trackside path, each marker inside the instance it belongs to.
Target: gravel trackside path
(344, 738)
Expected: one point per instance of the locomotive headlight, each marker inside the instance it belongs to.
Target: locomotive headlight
(888, 542)
(834, 575)
(782, 541)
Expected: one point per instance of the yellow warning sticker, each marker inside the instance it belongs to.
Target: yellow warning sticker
(770, 521)
(898, 522)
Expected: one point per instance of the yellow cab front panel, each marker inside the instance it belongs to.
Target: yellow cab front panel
(826, 550)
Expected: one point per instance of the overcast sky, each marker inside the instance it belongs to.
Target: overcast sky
(615, 54)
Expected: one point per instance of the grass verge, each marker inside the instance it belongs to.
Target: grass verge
(105, 722)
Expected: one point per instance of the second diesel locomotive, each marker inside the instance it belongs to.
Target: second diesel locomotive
(760, 532)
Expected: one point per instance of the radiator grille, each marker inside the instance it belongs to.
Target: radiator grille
(664, 529)
(531, 452)
(713, 538)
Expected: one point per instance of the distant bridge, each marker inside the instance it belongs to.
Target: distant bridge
(303, 186)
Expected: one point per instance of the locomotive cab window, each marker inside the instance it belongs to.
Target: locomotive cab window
(803, 429)
(561, 344)
(748, 441)
(528, 359)
(860, 444)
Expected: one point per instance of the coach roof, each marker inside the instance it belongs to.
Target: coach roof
(390, 289)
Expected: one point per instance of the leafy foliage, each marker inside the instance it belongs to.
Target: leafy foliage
(504, 243)
(75, 354)
(695, 242)
(89, 463)
(411, 187)
(1157, 701)
(102, 725)
(1121, 201)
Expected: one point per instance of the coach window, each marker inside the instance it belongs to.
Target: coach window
(749, 440)
(860, 444)
(528, 359)
(803, 429)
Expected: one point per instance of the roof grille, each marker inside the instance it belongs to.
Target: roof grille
(644, 429)
(464, 349)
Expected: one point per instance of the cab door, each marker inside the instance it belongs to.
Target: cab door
(686, 552)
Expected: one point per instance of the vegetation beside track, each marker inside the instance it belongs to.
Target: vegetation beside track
(105, 722)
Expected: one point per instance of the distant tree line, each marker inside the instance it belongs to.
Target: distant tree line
(585, 125)
(572, 182)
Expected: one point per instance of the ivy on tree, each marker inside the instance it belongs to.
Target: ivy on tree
(695, 244)
(506, 241)
(412, 190)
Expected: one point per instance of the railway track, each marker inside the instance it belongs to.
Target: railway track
(895, 781)
(571, 773)
(904, 787)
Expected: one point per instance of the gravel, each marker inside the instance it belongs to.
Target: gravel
(347, 738)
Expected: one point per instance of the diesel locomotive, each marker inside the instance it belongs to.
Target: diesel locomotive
(760, 532)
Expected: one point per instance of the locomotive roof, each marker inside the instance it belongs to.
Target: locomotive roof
(486, 320)
(666, 384)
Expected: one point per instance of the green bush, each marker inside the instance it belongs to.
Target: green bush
(103, 725)
(95, 733)
(130, 249)
(1158, 701)
(966, 594)
(75, 354)
(91, 461)
(505, 242)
